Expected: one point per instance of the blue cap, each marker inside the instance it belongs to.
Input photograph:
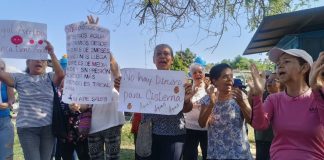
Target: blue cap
(238, 83)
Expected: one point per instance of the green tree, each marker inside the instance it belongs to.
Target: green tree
(241, 63)
(182, 60)
(265, 64)
(228, 61)
(212, 17)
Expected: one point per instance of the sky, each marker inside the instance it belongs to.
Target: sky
(129, 42)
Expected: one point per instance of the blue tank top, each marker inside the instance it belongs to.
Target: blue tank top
(4, 96)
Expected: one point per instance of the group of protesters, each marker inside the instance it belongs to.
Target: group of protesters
(288, 104)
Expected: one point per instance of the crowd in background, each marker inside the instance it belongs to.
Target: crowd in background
(285, 107)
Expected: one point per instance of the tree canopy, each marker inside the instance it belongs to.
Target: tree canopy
(212, 17)
(182, 60)
(243, 63)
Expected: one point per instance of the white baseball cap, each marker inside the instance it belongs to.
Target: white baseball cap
(275, 53)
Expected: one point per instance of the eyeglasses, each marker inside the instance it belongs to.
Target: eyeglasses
(162, 53)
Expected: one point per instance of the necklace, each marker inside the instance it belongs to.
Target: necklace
(303, 92)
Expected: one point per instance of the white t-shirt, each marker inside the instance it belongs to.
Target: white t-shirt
(191, 118)
(105, 116)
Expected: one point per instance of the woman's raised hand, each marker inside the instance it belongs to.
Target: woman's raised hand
(75, 107)
(91, 20)
(316, 77)
(117, 83)
(213, 94)
(258, 81)
(49, 47)
(188, 92)
(239, 95)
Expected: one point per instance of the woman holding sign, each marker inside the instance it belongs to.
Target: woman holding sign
(224, 111)
(7, 98)
(168, 130)
(104, 137)
(36, 105)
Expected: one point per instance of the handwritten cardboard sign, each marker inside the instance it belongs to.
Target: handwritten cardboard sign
(151, 91)
(87, 79)
(22, 40)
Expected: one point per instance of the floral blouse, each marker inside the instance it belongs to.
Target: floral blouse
(227, 137)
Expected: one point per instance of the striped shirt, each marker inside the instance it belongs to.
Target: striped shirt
(35, 99)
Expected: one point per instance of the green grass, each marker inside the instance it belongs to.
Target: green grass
(18, 154)
(127, 146)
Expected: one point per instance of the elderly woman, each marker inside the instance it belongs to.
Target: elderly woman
(195, 135)
(6, 127)
(168, 130)
(36, 105)
(225, 110)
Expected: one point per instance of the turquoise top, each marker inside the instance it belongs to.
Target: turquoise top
(4, 96)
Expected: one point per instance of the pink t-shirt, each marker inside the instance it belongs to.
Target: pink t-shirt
(297, 122)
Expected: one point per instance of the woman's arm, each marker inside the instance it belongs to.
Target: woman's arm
(242, 100)
(114, 67)
(207, 109)
(316, 80)
(187, 105)
(11, 96)
(261, 120)
(7, 79)
(79, 107)
(11, 99)
(262, 112)
(59, 73)
(204, 115)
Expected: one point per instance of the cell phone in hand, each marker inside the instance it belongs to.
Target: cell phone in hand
(190, 80)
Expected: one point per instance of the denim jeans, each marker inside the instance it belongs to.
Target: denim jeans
(37, 142)
(6, 138)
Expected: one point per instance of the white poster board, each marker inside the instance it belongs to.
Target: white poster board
(87, 79)
(151, 91)
(22, 40)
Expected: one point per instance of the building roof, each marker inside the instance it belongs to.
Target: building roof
(273, 28)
